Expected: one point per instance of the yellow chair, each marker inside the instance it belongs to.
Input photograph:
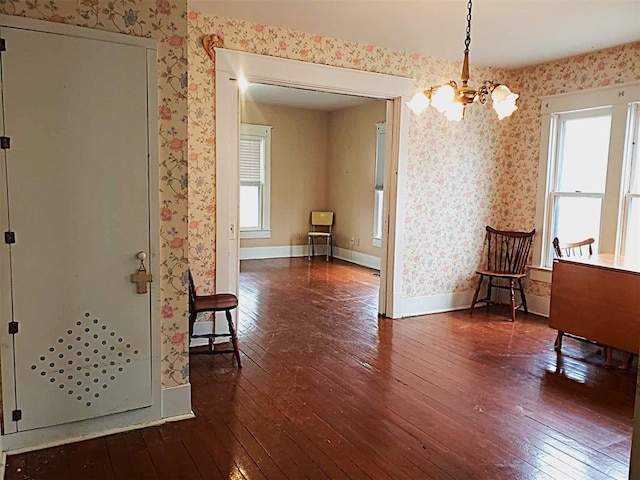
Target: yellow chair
(321, 223)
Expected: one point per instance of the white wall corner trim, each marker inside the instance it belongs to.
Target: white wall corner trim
(538, 305)
(176, 402)
(444, 302)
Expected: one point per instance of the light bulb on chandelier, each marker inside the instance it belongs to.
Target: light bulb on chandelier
(453, 100)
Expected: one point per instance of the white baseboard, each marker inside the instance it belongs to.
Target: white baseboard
(445, 302)
(358, 258)
(256, 253)
(460, 301)
(176, 401)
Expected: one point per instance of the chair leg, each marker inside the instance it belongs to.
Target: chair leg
(627, 360)
(608, 356)
(234, 338)
(313, 247)
(489, 289)
(309, 247)
(475, 295)
(328, 249)
(523, 296)
(512, 299)
(557, 346)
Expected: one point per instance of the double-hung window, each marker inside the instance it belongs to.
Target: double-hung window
(378, 205)
(255, 159)
(579, 159)
(630, 234)
(589, 183)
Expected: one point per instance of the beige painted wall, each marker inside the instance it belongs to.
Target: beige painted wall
(351, 174)
(298, 169)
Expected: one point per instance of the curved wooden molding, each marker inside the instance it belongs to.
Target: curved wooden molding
(209, 42)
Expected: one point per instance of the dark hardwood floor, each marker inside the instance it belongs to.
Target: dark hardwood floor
(329, 390)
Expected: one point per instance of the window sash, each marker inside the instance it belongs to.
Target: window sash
(630, 235)
(377, 214)
(552, 227)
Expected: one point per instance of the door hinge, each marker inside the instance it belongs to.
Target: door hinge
(16, 415)
(3, 45)
(13, 328)
(9, 237)
(5, 143)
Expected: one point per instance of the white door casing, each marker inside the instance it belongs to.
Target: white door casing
(231, 65)
(78, 195)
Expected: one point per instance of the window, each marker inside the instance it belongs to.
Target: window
(630, 235)
(378, 205)
(589, 183)
(255, 153)
(579, 172)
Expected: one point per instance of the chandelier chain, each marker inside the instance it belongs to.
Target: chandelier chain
(467, 40)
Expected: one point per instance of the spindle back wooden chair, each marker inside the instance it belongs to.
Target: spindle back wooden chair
(573, 249)
(507, 253)
(218, 302)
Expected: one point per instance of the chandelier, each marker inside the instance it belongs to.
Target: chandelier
(452, 100)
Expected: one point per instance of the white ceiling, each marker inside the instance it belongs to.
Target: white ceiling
(297, 98)
(505, 33)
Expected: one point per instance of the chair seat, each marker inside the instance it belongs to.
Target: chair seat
(501, 274)
(215, 303)
(319, 234)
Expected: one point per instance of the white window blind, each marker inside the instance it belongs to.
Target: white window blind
(251, 155)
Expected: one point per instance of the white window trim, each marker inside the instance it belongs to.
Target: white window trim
(618, 97)
(263, 131)
(632, 156)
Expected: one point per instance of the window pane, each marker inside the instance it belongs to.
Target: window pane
(576, 218)
(634, 184)
(632, 242)
(250, 207)
(583, 154)
(377, 219)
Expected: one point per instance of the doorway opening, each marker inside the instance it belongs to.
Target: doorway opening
(304, 151)
(232, 66)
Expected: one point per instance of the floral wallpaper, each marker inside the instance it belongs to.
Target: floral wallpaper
(516, 204)
(453, 167)
(165, 21)
(462, 176)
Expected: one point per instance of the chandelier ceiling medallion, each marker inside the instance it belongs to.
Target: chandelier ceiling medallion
(452, 100)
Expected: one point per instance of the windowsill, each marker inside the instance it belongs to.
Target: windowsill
(376, 242)
(540, 274)
(255, 234)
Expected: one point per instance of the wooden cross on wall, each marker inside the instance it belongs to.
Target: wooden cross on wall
(141, 278)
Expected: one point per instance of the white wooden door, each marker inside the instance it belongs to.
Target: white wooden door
(75, 191)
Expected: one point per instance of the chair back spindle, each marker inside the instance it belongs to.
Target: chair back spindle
(573, 249)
